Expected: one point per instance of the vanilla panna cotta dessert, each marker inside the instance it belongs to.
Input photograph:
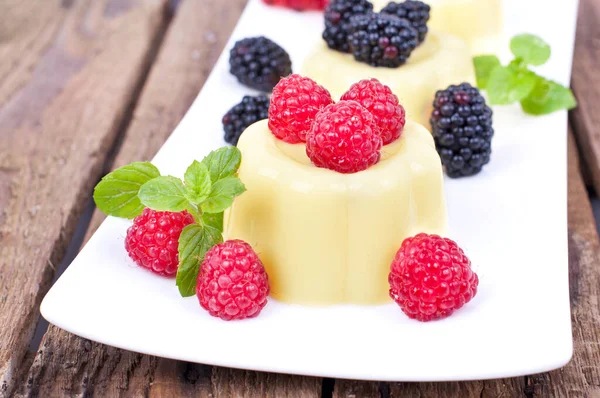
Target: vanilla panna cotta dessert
(394, 46)
(327, 215)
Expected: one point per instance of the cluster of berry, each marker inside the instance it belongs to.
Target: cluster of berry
(430, 276)
(232, 282)
(346, 136)
(386, 38)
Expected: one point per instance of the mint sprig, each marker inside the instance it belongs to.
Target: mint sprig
(194, 242)
(117, 193)
(208, 188)
(516, 82)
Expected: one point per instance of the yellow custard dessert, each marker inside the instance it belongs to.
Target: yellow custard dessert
(478, 22)
(439, 61)
(326, 237)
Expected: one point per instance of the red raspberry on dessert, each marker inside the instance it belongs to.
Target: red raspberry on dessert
(431, 277)
(295, 102)
(152, 240)
(383, 104)
(344, 138)
(299, 5)
(232, 283)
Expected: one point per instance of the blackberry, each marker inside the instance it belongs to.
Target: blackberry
(259, 63)
(242, 115)
(381, 39)
(337, 21)
(462, 129)
(415, 11)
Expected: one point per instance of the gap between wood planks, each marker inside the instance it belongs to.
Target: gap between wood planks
(83, 223)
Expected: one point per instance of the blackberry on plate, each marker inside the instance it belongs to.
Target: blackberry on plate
(249, 111)
(381, 39)
(415, 11)
(259, 63)
(337, 21)
(461, 123)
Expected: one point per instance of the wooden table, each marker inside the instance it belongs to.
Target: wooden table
(88, 85)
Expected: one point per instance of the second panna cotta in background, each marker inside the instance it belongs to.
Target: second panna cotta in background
(393, 45)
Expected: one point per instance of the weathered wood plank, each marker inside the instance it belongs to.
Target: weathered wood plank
(359, 389)
(581, 377)
(67, 364)
(63, 93)
(584, 80)
(237, 383)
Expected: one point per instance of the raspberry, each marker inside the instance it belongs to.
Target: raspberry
(431, 277)
(415, 11)
(344, 138)
(242, 115)
(259, 63)
(295, 102)
(232, 283)
(381, 39)
(337, 21)
(461, 124)
(378, 99)
(299, 5)
(152, 240)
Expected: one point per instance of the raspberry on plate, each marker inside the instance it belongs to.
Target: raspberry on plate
(378, 99)
(295, 102)
(344, 138)
(152, 240)
(431, 277)
(259, 63)
(299, 5)
(232, 283)
(461, 124)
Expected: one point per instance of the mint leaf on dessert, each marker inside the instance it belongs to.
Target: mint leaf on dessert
(223, 162)
(532, 49)
(164, 194)
(194, 242)
(484, 64)
(197, 181)
(507, 85)
(547, 97)
(214, 220)
(117, 193)
(222, 194)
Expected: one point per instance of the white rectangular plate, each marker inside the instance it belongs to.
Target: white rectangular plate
(510, 219)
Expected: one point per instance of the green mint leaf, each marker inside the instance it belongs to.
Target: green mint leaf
(532, 49)
(222, 194)
(213, 220)
(484, 64)
(547, 97)
(117, 193)
(197, 180)
(507, 85)
(194, 242)
(164, 194)
(223, 162)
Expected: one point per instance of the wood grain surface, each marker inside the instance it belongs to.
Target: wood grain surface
(71, 109)
(584, 82)
(69, 71)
